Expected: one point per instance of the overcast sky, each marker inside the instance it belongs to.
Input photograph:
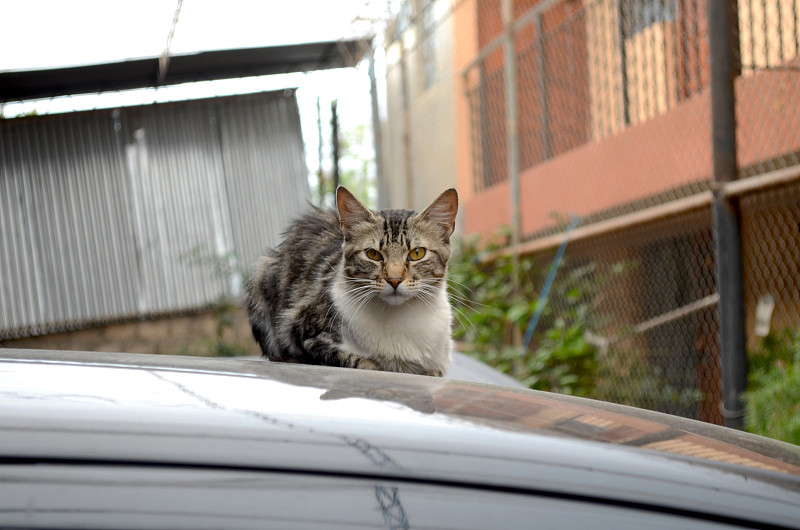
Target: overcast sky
(47, 33)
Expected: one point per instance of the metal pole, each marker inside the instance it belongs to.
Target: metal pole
(542, 86)
(512, 137)
(512, 125)
(624, 22)
(376, 132)
(335, 143)
(320, 174)
(723, 39)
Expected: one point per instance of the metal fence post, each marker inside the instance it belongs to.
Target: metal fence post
(512, 124)
(541, 85)
(723, 38)
(335, 143)
(377, 133)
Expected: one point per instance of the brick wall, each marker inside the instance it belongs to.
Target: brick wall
(181, 335)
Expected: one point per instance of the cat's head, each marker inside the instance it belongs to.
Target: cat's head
(396, 255)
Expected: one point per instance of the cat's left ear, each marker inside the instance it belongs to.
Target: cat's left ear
(351, 211)
(443, 212)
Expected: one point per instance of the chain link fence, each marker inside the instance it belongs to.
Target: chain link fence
(625, 85)
(613, 126)
(768, 90)
(653, 320)
(771, 253)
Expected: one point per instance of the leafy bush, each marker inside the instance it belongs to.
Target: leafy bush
(627, 376)
(489, 310)
(224, 309)
(494, 301)
(773, 395)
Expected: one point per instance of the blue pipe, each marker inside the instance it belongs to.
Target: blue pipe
(548, 283)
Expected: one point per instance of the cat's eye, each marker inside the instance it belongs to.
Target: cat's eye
(416, 254)
(373, 254)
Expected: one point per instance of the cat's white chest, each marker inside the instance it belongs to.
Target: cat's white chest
(415, 332)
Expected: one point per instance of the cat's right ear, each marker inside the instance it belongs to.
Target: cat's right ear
(351, 211)
(443, 212)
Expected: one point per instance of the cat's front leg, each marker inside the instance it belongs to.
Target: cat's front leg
(366, 364)
(325, 349)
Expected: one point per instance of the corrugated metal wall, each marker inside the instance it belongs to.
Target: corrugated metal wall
(114, 214)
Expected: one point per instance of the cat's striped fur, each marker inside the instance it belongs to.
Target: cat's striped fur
(360, 289)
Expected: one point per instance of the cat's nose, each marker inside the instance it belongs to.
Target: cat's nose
(394, 282)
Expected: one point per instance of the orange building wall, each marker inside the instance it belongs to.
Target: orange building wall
(656, 156)
(693, 72)
(646, 159)
(464, 51)
(551, 123)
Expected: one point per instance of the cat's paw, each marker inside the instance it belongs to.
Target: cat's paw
(366, 364)
(435, 373)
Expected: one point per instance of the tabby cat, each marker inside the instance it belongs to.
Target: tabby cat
(363, 289)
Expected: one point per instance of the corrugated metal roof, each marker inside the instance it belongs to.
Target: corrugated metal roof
(205, 66)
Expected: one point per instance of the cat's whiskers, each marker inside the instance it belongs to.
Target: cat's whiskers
(339, 312)
(332, 305)
(426, 296)
(360, 285)
(457, 312)
(354, 305)
(427, 292)
(433, 284)
(429, 295)
(464, 321)
(462, 285)
(430, 290)
(367, 297)
(357, 290)
(354, 279)
(464, 300)
(334, 269)
(457, 303)
(356, 298)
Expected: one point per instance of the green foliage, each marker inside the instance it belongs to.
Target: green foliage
(627, 376)
(356, 165)
(356, 170)
(773, 395)
(496, 298)
(564, 360)
(30, 113)
(225, 314)
(221, 266)
(491, 309)
(224, 309)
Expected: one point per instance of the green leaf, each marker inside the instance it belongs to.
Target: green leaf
(516, 312)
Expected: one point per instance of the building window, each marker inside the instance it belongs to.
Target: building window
(639, 15)
(650, 57)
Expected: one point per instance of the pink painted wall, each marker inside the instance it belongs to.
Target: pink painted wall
(659, 155)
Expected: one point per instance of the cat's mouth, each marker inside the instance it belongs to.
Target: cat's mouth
(395, 296)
